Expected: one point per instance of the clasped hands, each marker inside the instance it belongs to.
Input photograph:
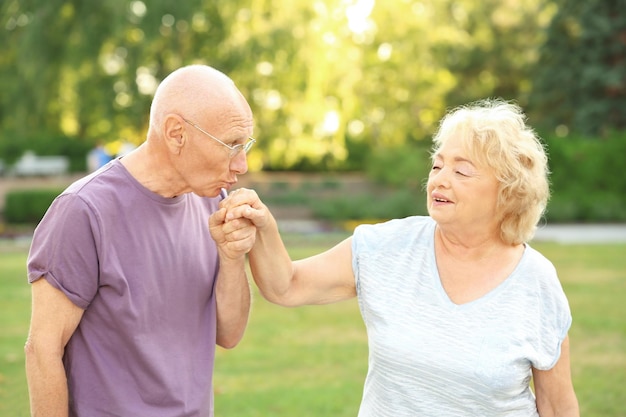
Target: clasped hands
(234, 225)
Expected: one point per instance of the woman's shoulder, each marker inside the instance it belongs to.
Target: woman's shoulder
(413, 220)
(394, 232)
(538, 263)
(395, 225)
(540, 278)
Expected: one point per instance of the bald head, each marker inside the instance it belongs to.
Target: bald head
(197, 92)
(177, 157)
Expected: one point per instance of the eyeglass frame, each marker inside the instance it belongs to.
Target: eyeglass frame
(234, 149)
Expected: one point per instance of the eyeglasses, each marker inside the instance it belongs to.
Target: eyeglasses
(234, 149)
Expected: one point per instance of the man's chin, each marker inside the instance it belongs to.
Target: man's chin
(209, 193)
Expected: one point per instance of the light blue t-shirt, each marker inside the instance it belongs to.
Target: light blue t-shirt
(431, 357)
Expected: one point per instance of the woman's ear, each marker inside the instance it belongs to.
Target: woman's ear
(174, 132)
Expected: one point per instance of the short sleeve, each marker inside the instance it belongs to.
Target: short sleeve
(365, 239)
(64, 250)
(357, 242)
(555, 319)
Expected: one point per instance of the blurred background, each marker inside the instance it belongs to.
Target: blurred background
(338, 87)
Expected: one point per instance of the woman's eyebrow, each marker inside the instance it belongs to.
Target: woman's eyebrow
(455, 159)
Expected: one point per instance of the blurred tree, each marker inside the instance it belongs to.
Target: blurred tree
(580, 81)
(493, 47)
(335, 80)
(330, 81)
(430, 56)
(86, 70)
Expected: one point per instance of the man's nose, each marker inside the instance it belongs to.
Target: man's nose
(239, 163)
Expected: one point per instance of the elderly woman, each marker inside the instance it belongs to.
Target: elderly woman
(461, 312)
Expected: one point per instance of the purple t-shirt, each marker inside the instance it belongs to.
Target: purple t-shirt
(143, 268)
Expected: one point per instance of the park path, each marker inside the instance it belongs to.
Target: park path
(560, 233)
(582, 233)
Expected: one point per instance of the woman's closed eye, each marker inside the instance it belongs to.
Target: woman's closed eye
(462, 172)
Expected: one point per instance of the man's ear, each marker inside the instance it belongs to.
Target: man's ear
(174, 133)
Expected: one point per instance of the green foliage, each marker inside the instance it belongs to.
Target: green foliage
(587, 184)
(491, 47)
(404, 166)
(588, 207)
(328, 81)
(585, 180)
(579, 79)
(371, 206)
(334, 86)
(28, 206)
(289, 197)
(399, 174)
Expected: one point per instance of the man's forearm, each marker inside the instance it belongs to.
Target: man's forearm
(233, 302)
(47, 386)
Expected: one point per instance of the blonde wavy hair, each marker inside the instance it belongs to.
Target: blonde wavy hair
(494, 133)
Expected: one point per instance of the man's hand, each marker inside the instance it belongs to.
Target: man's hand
(234, 225)
(234, 238)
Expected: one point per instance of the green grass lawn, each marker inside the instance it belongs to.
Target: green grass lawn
(311, 361)
(14, 319)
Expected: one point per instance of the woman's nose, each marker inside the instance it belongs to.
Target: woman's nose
(440, 177)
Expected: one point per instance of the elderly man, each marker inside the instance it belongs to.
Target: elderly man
(133, 280)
